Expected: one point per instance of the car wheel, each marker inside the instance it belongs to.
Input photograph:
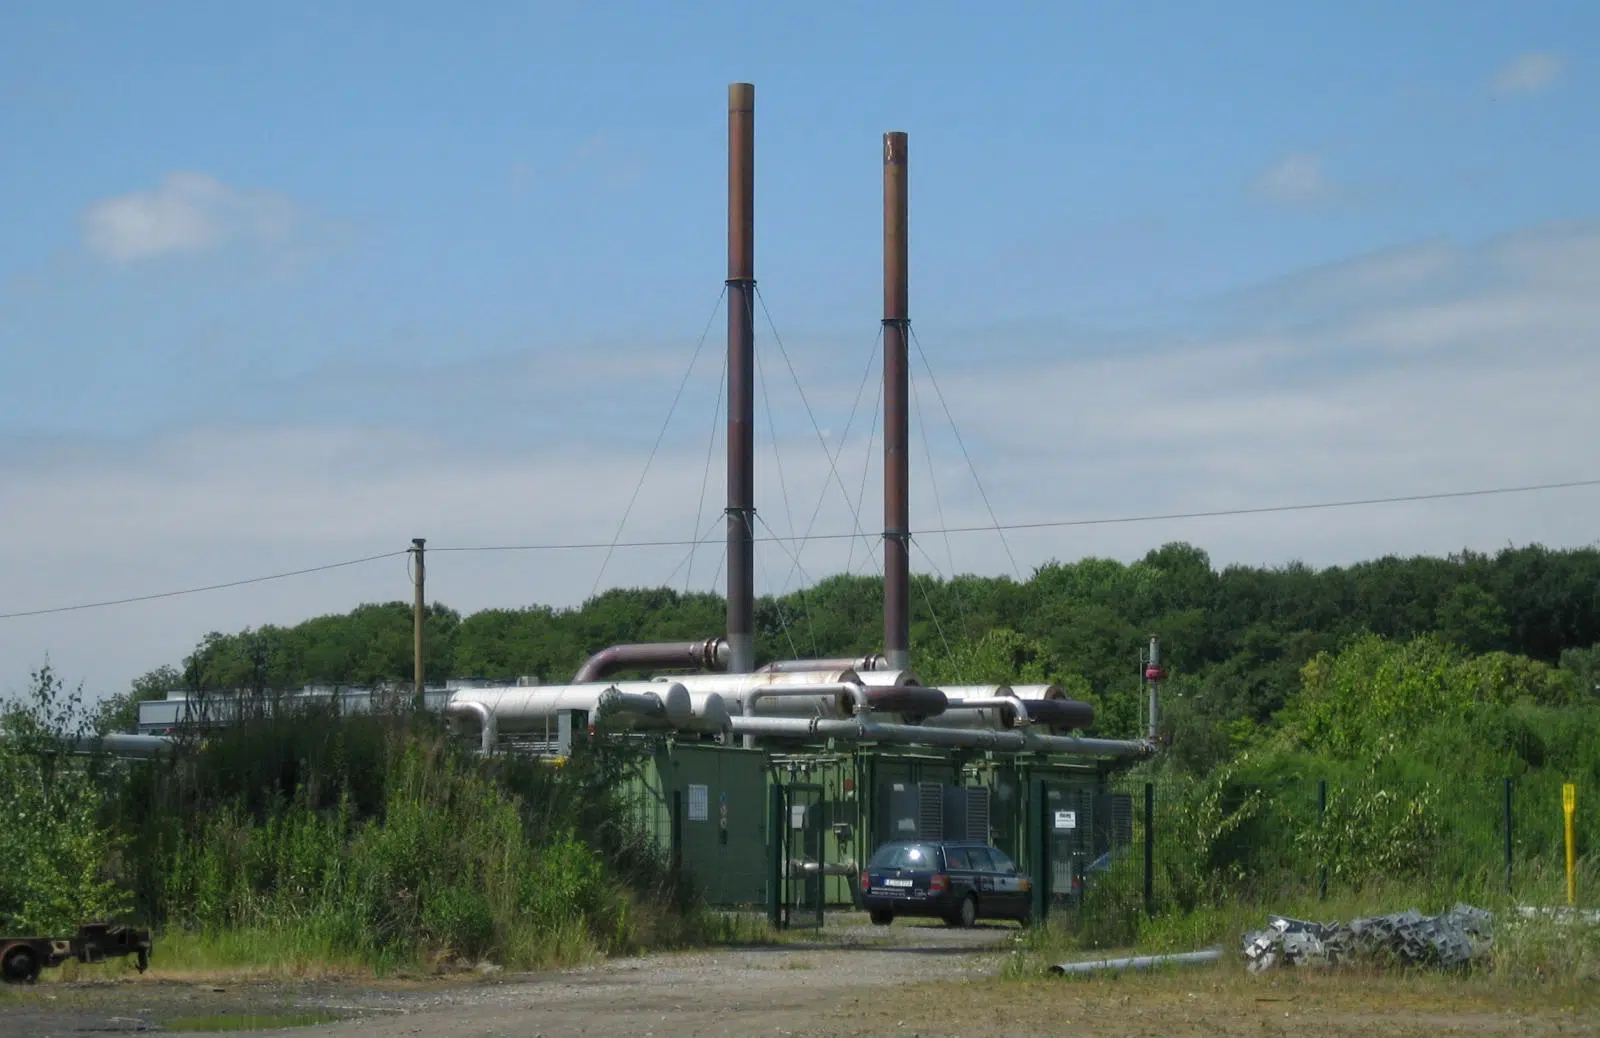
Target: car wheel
(20, 966)
(968, 912)
(882, 917)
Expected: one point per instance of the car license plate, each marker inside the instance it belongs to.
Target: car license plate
(897, 882)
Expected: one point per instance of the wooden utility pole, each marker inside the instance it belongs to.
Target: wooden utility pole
(418, 616)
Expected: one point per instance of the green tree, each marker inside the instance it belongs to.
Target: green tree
(55, 849)
(120, 712)
(1472, 618)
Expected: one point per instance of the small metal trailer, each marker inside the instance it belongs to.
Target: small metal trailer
(22, 958)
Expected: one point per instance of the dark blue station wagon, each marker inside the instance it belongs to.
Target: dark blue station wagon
(956, 880)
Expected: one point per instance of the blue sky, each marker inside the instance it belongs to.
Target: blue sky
(282, 285)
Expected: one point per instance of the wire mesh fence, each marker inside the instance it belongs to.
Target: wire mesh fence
(1229, 838)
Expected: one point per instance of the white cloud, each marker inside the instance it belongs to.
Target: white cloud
(1529, 73)
(1295, 179)
(185, 213)
(1438, 369)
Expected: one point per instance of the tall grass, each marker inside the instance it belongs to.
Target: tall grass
(304, 841)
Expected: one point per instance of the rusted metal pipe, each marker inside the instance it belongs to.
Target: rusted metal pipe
(1061, 714)
(896, 408)
(1048, 705)
(741, 285)
(915, 701)
(707, 654)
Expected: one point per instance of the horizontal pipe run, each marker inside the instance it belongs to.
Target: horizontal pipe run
(862, 730)
(755, 695)
(982, 712)
(122, 744)
(1078, 746)
(831, 868)
(1046, 705)
(916, 701)
(863, 665)
(706, 654)
(809, 692)
(517, 708)
(1060, 714)
(842, 687)
(887, 678)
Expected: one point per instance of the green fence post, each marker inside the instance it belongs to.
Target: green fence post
(1507, 792)
(1322, 824)
(775, 830)
(1039, 850)
(676, 831)
(1150, 849)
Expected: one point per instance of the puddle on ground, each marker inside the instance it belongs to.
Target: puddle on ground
(248, 1021)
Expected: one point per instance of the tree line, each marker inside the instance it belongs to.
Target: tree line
(1235, 638)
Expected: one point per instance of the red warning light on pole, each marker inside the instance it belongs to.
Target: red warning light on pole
(1154, 673)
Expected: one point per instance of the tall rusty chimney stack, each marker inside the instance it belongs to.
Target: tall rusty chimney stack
(896, 453)
(741, 376)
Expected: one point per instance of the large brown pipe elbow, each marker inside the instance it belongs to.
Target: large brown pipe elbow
(710, 654)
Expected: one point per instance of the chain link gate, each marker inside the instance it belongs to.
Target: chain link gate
(798, 847)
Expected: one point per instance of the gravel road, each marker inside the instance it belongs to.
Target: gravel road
(848, 981)
(801, 988)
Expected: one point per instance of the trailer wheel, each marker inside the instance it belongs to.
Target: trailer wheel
(143, 962)
(20, 965)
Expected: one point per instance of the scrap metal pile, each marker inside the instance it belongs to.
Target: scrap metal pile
(1449, 940)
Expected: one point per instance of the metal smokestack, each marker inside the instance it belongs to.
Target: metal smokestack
(896, 454)
(741, 376)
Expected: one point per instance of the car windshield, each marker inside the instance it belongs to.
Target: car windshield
(905, 856)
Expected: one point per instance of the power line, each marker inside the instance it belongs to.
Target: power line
(1040, 525)
(1063, 523)
(208, 587)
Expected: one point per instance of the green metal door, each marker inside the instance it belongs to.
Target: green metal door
(721, 829)
(1060, 839)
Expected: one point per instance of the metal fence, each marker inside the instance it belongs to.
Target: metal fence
(1202, 841)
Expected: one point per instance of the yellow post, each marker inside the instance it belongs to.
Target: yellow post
(1569, 807)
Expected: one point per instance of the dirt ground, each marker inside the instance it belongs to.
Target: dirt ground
(909, 980)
